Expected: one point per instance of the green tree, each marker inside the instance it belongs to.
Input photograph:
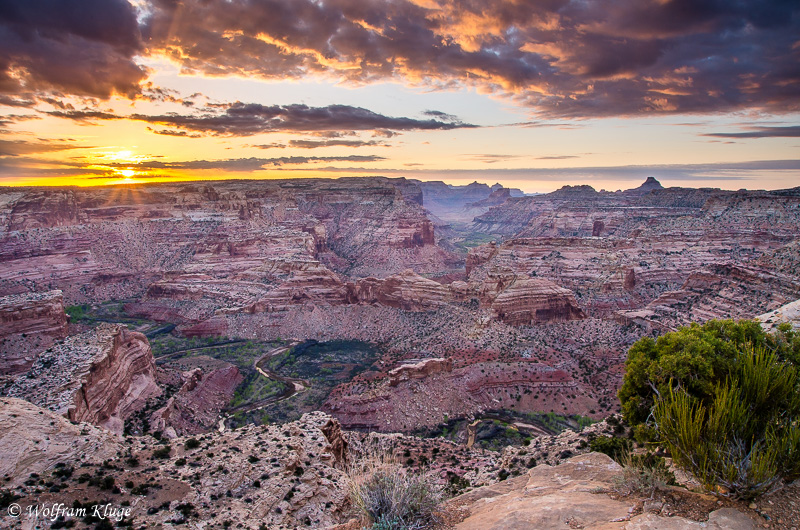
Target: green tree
(696, 359)
(745, 436)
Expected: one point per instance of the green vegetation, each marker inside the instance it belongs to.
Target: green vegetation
(617, 448)
(321, 365)
(254, 388)
(745, 436)
(162, 452)
(77, 312)
(643, 474)
(696, 358)
(724, 398)
(497, 430)
(393, 497)
(474, 239)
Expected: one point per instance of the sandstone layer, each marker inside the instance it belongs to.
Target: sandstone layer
(29, 323)
(196, 406)
(100, 377)
(34, 440)
(566, 496)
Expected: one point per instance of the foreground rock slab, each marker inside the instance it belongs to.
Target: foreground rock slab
(564, 496)
(33, 440)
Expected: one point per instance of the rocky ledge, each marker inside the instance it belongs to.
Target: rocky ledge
(101, 376)
(572, 495)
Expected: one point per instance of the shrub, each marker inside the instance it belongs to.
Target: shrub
(393, 497)
(697, 359)
(616, 448)
(191, 443)
(643, 474)
(743, 438)
(162, 452)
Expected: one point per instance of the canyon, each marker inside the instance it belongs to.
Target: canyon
(249, 339)
(553, 286)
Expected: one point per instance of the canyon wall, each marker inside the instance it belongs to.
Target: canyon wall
(29, 324)
(100, 377)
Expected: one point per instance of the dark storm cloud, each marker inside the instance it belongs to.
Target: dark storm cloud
(81, 47)
(792, 131)
(561, 57)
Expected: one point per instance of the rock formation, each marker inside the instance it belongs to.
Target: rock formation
(787, 314)
(531, 300)
(34, 440)
(430, 391)
(196, 406)
(572, 495)
(100, 377)
(406, 290)
(29, 323)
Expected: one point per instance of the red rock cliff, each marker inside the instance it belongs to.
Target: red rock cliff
(29, 323)
(101, 377)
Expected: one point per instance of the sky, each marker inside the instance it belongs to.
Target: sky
(531, 94)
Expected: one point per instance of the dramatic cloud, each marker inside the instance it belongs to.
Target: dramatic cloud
(245, 119)
(792, 131)
(81, 47)
(561, 57)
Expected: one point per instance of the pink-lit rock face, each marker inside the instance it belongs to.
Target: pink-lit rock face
(530, 301)
(29, 324)
(100, 377)
(406, 290)
(110, 243)
(195, 407)
(621, 251)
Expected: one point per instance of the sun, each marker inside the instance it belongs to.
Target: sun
(127, 173)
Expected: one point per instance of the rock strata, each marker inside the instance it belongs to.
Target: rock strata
(100, 377)
(196, 406)
(29, 323)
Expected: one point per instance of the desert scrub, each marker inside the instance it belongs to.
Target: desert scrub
(643, 474)
(617, 448)
(696, 358)
(392, 497)
(744, 438)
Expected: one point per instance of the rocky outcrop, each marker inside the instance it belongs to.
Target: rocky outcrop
(572, 495)
(404, 401)
(420, 370)
(106, 243)
(725, 291)
(281, 477)
(34, 440)
(29, 323)
(406, 290)
(196, 406)
(100, 377)
(527, 301)
(787, 314)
